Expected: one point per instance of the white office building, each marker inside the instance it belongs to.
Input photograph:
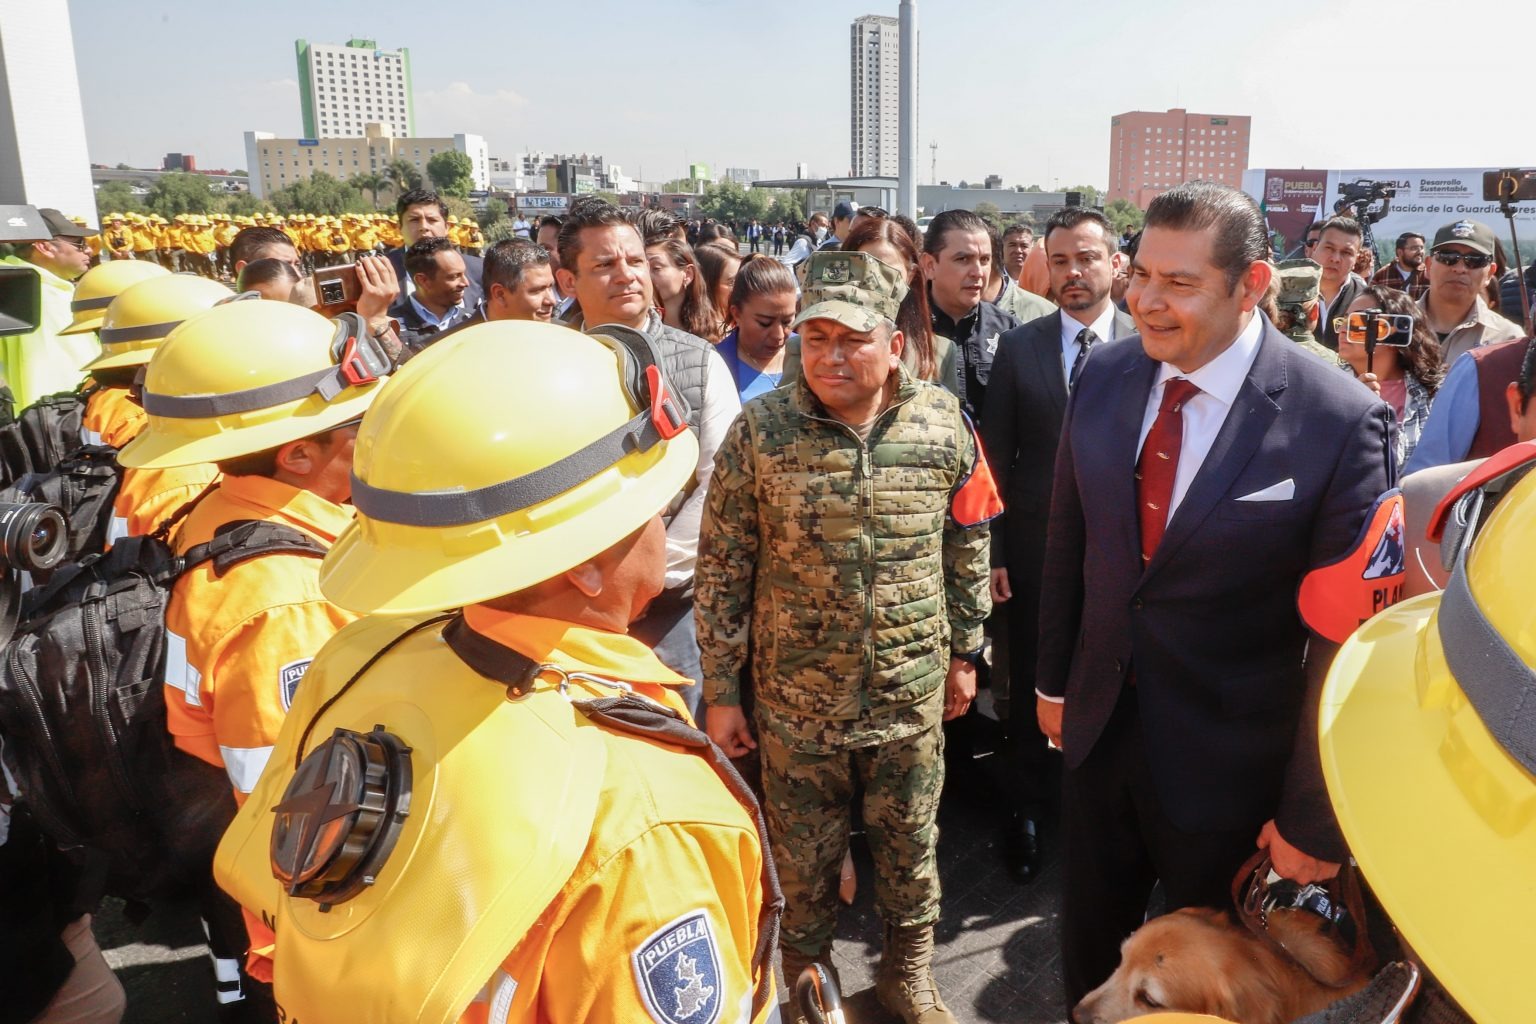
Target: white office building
(875, 103)
(343, 88)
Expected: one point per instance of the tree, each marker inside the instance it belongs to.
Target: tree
(687, 185)
(124, 167)
(733, 203)
(116, 197)
(402, 175)
(611, 198)
(452, 173)
(319, 193)
(179, 192)
(244, 204)
(460, 208)
(789, 204)
(990, 213)
(1030, 188)
(1123, 213)
(371, 182)
(1091, 195)
(495, 211)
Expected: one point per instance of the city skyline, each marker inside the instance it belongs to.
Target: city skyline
(725, 84)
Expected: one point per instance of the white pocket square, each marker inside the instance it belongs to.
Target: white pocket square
(1285, 490)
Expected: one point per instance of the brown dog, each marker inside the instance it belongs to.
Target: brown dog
(1201, 961)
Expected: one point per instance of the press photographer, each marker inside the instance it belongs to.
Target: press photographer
(44, 361)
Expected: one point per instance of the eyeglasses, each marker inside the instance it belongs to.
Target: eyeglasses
(1472, 260)
(73, 243)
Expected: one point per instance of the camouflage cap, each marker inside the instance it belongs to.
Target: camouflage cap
(1298, 281)
(853, 288)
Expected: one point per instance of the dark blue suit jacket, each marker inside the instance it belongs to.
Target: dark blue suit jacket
(1227, 685)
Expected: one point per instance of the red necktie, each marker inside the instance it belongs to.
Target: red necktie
(1159, 464)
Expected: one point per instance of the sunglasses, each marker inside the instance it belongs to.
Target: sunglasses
(1472, 260)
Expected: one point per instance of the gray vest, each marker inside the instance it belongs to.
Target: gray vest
(685, 357)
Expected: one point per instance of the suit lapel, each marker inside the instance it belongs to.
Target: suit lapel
(1124, 433)
(1247, 421)
(1122, 327)
(1046, 344)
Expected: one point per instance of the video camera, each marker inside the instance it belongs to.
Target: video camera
(1360, 198)
(21, 289)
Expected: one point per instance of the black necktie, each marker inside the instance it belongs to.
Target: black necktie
(1086, 339)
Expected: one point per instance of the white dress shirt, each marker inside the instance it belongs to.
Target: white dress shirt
(1220, 382)
(1102, 328)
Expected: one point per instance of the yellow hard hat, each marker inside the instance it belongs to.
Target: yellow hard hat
(100, 285)
(453, 218)
(1429, 748)
(249, 375)
(144, 314)
(501, 457)
(114, 216)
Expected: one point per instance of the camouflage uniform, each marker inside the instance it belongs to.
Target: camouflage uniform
(838, 566)
(1298, 287)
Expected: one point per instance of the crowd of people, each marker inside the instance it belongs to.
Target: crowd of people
(615, 573)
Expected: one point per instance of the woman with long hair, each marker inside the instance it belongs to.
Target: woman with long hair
(678, 287)
(927, 356)
(1406, 378)
(719, 262)
(761, 308)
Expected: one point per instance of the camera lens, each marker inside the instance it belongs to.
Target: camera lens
(32, 536)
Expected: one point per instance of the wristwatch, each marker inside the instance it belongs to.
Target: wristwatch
(971, 657)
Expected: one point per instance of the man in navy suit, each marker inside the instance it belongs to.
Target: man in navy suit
(1205, 467)
(1027, 398)
(423, 214)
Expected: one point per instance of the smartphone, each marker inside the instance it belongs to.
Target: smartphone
(336, 289)
(1394, 330)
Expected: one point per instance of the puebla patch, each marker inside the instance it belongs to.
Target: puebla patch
(288, 680)
(678, 973)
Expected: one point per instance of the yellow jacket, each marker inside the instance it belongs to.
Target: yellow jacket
(225, 234)
(550, 868)
(237, 645)
(110, 417)
(119, 240)
(147, 237)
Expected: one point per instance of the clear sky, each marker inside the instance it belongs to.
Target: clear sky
(1024, 90)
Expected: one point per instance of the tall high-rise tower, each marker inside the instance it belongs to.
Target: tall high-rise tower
(875, 102)
(343, 88)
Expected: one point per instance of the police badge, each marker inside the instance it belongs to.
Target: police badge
(678, 972)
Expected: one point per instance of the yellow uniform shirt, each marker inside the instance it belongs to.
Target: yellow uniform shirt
(119, 239)
(389, 234)
(655, 913)
(225, 234)
(238, 645)
(146, 239)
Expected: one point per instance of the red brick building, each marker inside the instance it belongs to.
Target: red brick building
(1149, 153)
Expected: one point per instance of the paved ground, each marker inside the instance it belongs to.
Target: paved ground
(997, 951)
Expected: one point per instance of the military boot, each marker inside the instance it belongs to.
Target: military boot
(904, 980)
(794, 964)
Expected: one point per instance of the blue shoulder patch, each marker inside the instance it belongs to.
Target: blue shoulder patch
(677, 971)
(288, 678)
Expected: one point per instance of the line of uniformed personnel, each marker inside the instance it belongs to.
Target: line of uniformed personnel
(649, 895)
(199, 244)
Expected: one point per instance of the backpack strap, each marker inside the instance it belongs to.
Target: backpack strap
(244, 539)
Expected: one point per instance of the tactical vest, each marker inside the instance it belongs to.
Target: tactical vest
(850, 607)
(1497, 366)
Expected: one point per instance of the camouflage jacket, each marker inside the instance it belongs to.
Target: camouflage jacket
(836, 563)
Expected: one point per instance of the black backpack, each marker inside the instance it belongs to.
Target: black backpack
(45, 432)
(84, 486)
(82, 713)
